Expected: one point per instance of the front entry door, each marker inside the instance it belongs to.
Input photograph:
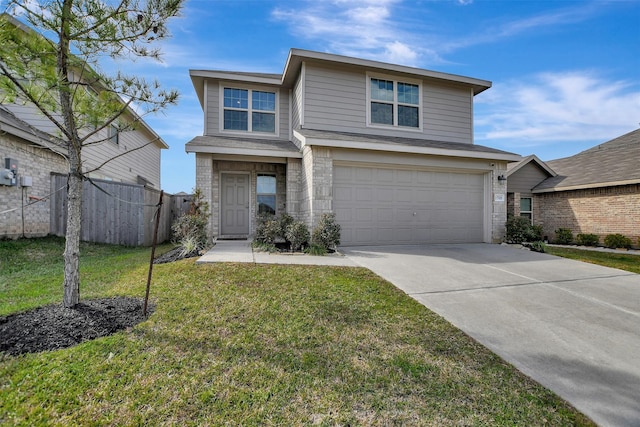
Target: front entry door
(235, 204)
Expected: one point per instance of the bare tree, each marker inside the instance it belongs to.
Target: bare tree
(52, 62)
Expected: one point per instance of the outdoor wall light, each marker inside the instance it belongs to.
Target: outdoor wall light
(502, 178)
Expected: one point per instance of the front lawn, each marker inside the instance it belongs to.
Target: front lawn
(244, 344)
(619, 260)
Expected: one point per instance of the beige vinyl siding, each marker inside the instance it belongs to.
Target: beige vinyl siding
(527, 177)
(448, 113)
(284, 113)
(30, 114)
(212, 125)
(335, 100)
(144, 162)
(296, 108)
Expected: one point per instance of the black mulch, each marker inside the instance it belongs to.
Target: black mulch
(54, 327)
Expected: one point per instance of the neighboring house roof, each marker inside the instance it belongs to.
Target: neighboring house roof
(516, 166)
(12, 124)
(399, 144)
(615, 162)
(243, 146)
(298, 56)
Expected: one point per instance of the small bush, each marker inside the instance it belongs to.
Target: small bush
(297, 234)
(564, 236)
(190, 229)
(268, 229)
(317, 250)
(617, 241)
(586, 239)
(285, 220)
(519, 229)
(327, 233)
(538, 246)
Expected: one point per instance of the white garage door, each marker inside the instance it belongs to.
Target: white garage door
(385, 206)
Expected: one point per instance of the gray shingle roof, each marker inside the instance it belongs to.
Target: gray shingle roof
(614, 162)
(224, 143)
(402, 141)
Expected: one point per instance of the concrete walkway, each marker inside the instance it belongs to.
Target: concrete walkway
(241, 251)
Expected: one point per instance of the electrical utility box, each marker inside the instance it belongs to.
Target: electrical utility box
(6, 177)
(9, 175)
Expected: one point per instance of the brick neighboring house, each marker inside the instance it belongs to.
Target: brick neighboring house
(388, 148)
(596, 191)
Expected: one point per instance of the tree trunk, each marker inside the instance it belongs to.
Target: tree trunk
(71, 284)
(72, 242)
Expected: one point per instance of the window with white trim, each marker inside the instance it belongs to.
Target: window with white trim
(526, 208)
(247, 110)
(394, 103)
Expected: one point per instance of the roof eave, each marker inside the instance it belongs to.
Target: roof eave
(586, 186)
(376, 146)
(297, 56)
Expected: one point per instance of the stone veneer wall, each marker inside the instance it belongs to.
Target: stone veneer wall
(38, 163)
(600, 211)
(208, 171)
(499, 209)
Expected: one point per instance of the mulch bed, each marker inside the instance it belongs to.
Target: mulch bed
(53, 327)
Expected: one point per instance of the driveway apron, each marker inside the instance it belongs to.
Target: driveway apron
(571, 326)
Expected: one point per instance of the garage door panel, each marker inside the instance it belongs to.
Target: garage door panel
(401, 206)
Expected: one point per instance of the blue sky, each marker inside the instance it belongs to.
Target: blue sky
(566, 74)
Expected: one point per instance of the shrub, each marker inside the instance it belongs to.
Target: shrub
(538, 246)
(617, 241)
(314, 249)
(587, 239)
(284, 221)
(519, 229)
(297, 234)
(268, 229)
(564, 236)
(190, 229)
(327, 233)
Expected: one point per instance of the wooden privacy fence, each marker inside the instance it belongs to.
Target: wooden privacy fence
(117, 213)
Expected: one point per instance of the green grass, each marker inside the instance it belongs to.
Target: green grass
(617, 260)
(253, 345)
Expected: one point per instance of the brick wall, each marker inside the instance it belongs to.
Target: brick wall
(38, 163)
(599, 211)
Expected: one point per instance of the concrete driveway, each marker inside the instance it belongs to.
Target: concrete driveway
(571, 326)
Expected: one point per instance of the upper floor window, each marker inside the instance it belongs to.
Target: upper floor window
(249, 110)
(114, 134)
(394, 103)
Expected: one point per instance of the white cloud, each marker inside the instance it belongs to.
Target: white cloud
(550, 107)
(356, 28)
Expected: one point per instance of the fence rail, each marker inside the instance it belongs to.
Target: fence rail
(117, 213)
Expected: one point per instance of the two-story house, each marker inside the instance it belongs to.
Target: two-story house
(388, 148)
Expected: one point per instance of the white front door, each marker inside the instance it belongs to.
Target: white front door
(234, 204)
